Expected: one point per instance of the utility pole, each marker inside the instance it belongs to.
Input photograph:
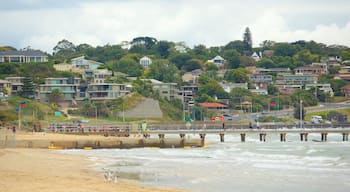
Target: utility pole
(19, 117)
(96, 112)
(123, 111)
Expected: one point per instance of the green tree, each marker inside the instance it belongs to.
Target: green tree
(345, 54)
(148, 42)
(272, 89)
(193, 64)
(200, 52)
(305, 57)
(285, 49)
(180, 59)
(266, 63)
(162, 48)
(247, 40)
(238, 45)
(237, 75)
(162, 70)
(246, 61)
(7, 48)
(232, 58)
(308, 98)
(212, 89)
(56, 96)
(142, 87)
(64, 50)
(267, 44)
(28, 88)
(128, 66)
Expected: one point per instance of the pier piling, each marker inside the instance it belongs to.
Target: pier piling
(263, 137)
(303, 136)
(324, 136)
(222, 137)
(242, 137)
(345, 136)
(283, 137)
(202, 136)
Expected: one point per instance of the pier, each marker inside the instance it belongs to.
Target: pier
(164, 136)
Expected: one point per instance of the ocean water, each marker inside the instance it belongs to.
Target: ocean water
(234, 166)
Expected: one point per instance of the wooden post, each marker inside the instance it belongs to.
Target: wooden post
(242, 137)
(222, 137)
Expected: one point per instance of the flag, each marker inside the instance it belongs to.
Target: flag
(23, 104)
(272, 103)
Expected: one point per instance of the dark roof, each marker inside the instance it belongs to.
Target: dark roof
(22, 53)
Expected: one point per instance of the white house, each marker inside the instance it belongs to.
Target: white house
(218, 61)
(145, 62)
(82, 63)
(256, 56)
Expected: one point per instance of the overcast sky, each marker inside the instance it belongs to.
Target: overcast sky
(42, 23)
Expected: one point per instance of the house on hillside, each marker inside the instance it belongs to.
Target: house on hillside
(69, 86)
(282, 79)
(145, 62)
(261, 81)
(320, 87)
(218, 61)
(228, 86)
(192, 76)
(82, 63)
(106, 91)
(344, 73)
(272, 70)
(346, 90)
(310, 70)
(63, 67)
(256, 56)
(22, 56)
(167, 90)
(5, 87)
(187, 94)
(16, 84)
(268, 53)
(287, 89)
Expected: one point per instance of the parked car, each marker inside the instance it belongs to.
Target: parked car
(228, 117)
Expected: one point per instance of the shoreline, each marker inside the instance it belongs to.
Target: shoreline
(45, 171)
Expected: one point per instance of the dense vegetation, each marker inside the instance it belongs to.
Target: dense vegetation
(170, 60)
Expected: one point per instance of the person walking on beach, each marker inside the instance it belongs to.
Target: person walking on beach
(14, 129)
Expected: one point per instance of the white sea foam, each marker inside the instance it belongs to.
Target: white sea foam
(270, 167)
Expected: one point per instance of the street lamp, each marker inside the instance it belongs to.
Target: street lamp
(301, 114)
(96, 112)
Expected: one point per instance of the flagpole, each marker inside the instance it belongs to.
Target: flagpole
(19, 117)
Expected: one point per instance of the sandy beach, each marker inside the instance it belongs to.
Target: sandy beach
(44, 170)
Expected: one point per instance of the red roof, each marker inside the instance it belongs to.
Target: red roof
(212, 105)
